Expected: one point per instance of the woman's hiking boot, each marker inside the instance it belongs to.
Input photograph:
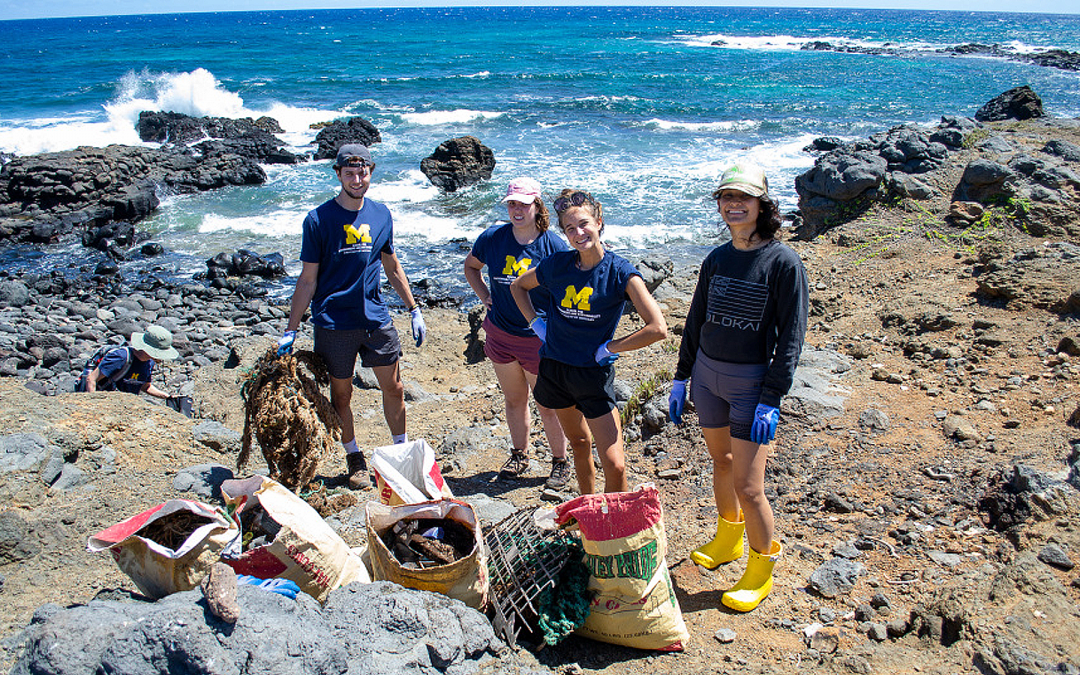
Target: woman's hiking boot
(356, 472)
(560, 473)
(517, 466)
(725, 547)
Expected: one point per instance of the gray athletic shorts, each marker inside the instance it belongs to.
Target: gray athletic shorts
(726, 393)
(379, 347)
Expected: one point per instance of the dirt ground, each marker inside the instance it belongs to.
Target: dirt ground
(904, 479)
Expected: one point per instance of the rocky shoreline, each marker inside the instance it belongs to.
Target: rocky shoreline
(926, 470)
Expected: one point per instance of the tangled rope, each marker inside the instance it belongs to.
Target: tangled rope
(287, 413)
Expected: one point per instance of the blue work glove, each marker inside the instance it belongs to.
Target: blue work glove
(280, 586)
(764, 428)
(605, 356)
(285, 343)
(539, 326)
(677, 400)
(419, 330)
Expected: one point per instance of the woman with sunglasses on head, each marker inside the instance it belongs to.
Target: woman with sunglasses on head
(740, 347)
(508, 250)
(589, 286)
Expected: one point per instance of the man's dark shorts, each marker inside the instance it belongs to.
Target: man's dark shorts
(379, 347)
(590, 390)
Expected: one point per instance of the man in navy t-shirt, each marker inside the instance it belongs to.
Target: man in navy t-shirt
(348, 241)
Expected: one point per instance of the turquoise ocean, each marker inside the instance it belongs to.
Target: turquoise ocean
(642, 106)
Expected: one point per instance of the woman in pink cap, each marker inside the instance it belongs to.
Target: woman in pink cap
(509, 249)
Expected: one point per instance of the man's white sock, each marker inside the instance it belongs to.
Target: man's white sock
(351, 446)
(401, 438)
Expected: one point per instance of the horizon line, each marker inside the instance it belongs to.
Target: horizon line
(852, 5)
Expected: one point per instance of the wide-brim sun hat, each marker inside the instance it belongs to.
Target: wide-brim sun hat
(524, 190)
(157, 342)
(746, 178)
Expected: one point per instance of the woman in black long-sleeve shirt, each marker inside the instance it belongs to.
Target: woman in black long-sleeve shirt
(739, 351)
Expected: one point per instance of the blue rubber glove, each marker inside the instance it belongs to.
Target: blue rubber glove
(283, 587)
(764, 428)
(285, 343)
(605, 356)
(677, 400)
(419, 330)
(539, 326)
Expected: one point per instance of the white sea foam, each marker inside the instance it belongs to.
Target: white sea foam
(732, 125)
(197, 93)
(279, 223)
(437, 117)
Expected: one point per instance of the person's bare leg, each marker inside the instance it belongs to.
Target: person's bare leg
(552, 429)
(577, 434)
(515, 390)
(748, 475)
(341, 398)
(393, 397)
(607, 433)
(718, 442)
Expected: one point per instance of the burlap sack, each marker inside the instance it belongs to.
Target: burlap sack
(465, 580)
(159, 570)
(306, 551)
(634, 603)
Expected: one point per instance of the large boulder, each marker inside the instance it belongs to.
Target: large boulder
(838, 187)
(340, 132)
(246, 137)
(984, 181)
(1021, 103)
(458, 162)
(375, 629)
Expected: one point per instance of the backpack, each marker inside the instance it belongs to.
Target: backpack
(95, 359)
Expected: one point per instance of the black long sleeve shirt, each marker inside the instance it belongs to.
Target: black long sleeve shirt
(749, 307)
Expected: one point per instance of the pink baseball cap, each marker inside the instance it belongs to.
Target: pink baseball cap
(524, 190)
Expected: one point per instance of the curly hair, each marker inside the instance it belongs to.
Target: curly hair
(543, 216)
(768, 220)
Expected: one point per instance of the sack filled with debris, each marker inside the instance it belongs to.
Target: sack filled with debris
(169, 548)
(634, 603)
(432, 546)
(287, 539)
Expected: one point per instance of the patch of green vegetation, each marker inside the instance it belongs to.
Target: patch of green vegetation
(645, 390)
(975, 137)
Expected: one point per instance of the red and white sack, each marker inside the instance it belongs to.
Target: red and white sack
(407, 473)
(156, 569)
(634, 603)
(306, 550)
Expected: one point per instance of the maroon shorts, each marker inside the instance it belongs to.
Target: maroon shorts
(502, 347)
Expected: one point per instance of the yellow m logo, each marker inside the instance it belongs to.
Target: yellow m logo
(575, 297)
(354, 235)
(516, 268)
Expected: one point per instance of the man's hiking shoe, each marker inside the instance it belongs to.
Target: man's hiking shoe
(560, 474)
(517, 466)
(357, 472)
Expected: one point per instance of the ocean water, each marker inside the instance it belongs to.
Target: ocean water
(644, 107)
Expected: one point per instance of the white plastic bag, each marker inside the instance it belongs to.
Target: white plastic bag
(407, 473)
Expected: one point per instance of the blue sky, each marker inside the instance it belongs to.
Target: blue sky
(21, 9)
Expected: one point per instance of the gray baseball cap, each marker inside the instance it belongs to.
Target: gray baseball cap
(352, 154)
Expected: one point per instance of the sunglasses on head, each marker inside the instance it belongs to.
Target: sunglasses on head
(574, 199)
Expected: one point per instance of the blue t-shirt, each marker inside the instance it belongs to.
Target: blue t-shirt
(137, 376)
(586, 306)
(506, 260)
(348, 246)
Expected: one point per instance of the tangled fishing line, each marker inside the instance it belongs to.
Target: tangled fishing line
(289, 416)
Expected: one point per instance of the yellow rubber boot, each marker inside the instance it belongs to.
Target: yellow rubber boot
(756, 581)
(727, 546)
